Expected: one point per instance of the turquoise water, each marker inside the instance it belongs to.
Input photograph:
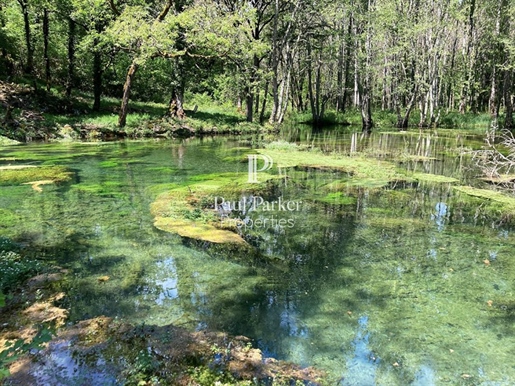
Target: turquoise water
(388, 286)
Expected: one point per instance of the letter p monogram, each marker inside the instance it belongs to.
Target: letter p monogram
(253, 169)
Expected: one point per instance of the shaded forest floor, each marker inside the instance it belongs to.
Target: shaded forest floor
(27, 114)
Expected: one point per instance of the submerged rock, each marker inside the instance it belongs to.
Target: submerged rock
(102, 348)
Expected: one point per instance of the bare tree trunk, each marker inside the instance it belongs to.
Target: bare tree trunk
(45, 48)
(493, 103)
(508, 103)
(122, 117)
(249, 99)
(263, 105)
(97, 70)
(29, 66)
(366, 88)
(71, 57)
(97, 79)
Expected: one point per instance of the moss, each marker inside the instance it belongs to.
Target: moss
(8, 218)
(337, 198)
(197, 230)
(427, 177)
(189, 210)
(506, 203)
(358, 166)
(108, 188)
(27, 174)
(108, 164)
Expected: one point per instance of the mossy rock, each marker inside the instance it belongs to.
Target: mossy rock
(19, 174)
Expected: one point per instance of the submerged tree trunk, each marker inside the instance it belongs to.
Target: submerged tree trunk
(122, 117)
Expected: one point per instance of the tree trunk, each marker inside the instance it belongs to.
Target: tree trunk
(97, 79)
(175, 108)
(29, 66)
(263, 105)
(249, 100)
(508, 103)
(45, 48)
(71, 57)
(250, 88)
(366, 87)
(122, 117)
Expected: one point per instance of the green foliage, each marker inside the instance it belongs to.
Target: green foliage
(205, 376)
(14, 269)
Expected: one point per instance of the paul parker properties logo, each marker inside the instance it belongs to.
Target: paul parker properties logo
(268, 162)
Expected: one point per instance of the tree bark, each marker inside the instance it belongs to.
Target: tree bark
(122, 117)
(176, 109)
(71, 57)
(97, 70)
(508, 103)
(45, 48)
(29, 66)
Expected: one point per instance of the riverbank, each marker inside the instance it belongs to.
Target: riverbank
(28, 115)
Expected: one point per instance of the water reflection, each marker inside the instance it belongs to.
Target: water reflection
(362, 366)
(396, 273)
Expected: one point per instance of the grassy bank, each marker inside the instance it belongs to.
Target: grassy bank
(27, 115)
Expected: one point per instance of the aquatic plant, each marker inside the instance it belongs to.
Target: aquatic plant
(28, 173)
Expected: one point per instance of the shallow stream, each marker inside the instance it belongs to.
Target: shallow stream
(378, 283)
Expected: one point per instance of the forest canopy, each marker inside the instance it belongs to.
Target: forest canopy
(271, 56)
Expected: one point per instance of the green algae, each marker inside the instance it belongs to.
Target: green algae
(29, 174)
(434, 178)
(108, 164)
(358, 166)
(8, 218)
(506, 203)
(106, 188)
(395, 257)
(337, 198)
(189, 210)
